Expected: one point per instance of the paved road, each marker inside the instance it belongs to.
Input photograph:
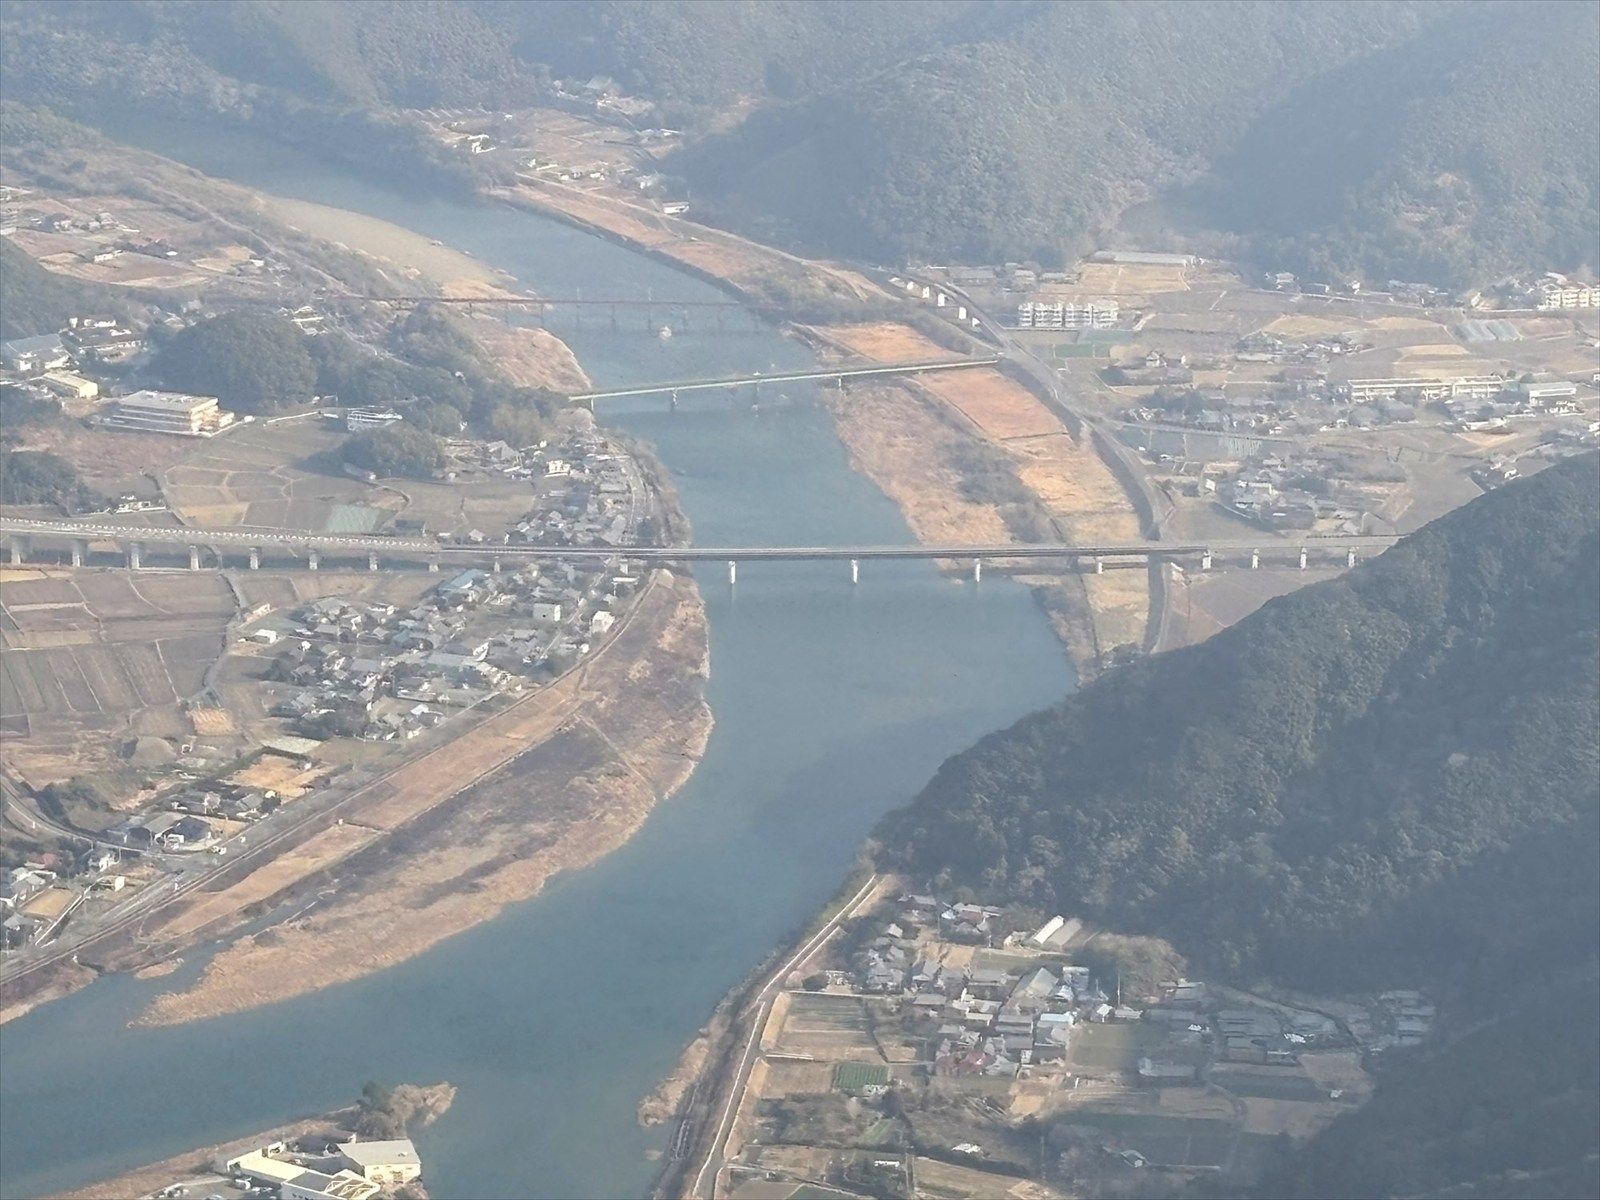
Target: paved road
(705, 1180)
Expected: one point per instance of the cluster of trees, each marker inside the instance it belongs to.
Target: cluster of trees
(254, 362)
(429, 370)
(1509, 1110)
(39, 477)
(1358, 786)
(395, 450)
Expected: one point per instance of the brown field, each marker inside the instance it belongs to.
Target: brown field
(49, 904)
(275, 772)
(211, 722)
(884, 341)
(96, 656)
(1117, 279)
(947, 1181)
(1297, 325)
(903, 442)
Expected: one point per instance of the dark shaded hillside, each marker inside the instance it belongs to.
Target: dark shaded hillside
(1366, 782)
(34, 300)
(1029, 138)
(1448, 156)
(1508, 1111)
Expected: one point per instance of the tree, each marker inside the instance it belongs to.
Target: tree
(395, 450)
(39, 477)
(251, 362)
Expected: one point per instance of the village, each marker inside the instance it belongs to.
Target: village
(939, 1050)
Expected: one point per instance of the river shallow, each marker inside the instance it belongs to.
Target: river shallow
(833, 704)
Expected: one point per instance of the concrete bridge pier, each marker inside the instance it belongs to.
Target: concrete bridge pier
(194, 558)
(17, 549)
(1205, 561)
(672, 400)
(1255, 560)
(1303, 558)
(433, 566)
(79, 551)
(855, 570)
(733, 572)
(977, 570)
(1350, 557)
(313, 560)
(135, 554)
(372, 560)
(1099, 565)
(255, 558)
(494, 565)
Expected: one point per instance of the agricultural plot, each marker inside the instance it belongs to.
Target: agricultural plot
(93, 659)
(856, 1077)
(837, 1027)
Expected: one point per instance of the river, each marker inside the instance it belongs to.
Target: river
(833, 704)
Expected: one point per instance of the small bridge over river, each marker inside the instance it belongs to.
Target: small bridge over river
(138, 545)
(838, 374)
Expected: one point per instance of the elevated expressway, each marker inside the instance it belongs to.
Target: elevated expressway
(252, 544)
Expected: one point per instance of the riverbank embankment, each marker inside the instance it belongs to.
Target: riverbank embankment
(971, 455)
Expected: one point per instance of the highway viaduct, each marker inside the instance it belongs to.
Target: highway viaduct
(81, 539)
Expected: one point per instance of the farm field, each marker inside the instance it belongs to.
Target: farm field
(92, 660)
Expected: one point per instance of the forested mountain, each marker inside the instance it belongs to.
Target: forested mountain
(1387, 778)
(1423, 138)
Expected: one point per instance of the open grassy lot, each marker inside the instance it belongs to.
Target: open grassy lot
(1108, 1049)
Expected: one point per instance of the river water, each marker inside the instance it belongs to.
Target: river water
(833, 704)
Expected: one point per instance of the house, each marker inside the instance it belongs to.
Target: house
(466, 588)
(385, 1163)
(32, 355)
(70, 386)
(314, 1185)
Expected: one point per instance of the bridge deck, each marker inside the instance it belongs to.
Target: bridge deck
(855, 371)
(245, 538)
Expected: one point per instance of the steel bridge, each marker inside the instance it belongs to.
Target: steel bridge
(755, 379)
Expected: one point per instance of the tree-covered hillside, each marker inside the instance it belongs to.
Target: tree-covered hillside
(1422, 138)
(1377, 139)
(1507, 1113)
(1387, 778)
(36, 300)
(1449, 156)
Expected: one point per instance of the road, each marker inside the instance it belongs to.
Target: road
(711, 1168)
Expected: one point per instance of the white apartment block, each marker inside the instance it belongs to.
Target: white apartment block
(1091, 314)
(1469, 387)
(1568, 295)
